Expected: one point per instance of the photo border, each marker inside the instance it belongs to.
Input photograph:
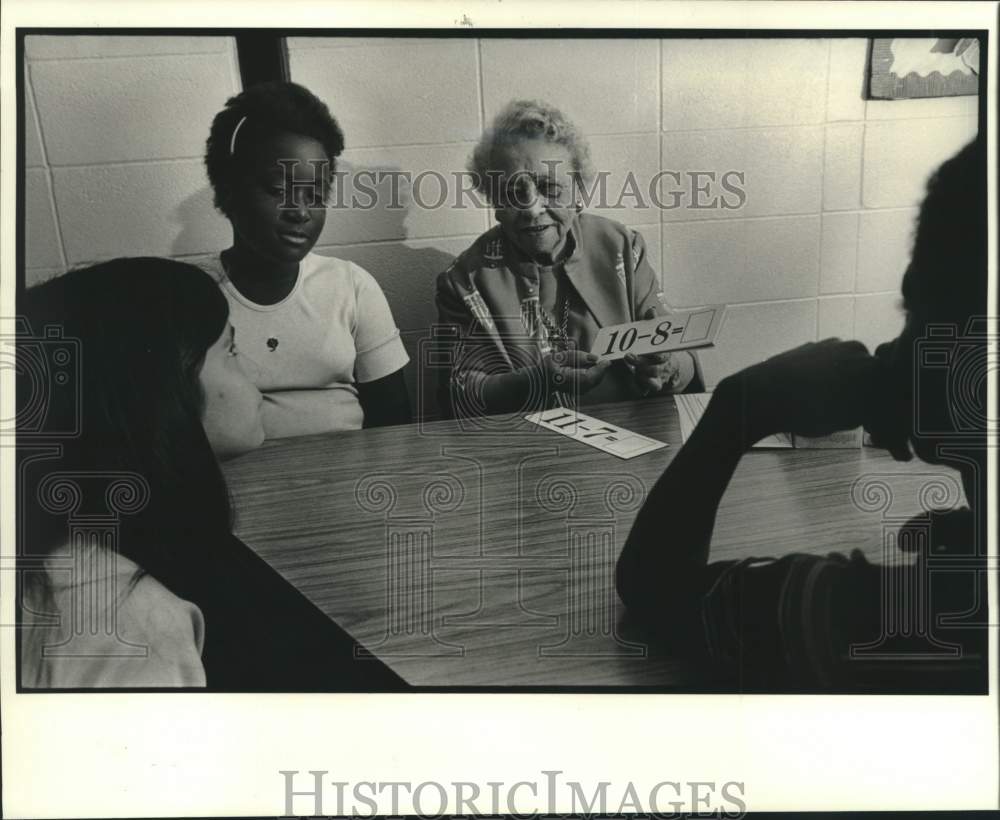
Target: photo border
(135, 754)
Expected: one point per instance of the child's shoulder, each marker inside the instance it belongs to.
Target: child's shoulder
(151, 610)
(165, 631)
(135, 592)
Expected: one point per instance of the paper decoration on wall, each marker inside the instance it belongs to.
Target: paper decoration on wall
(911, 67)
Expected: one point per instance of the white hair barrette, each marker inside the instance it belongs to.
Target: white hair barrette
(232, 139)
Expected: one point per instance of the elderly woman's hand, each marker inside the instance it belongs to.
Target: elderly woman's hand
(655, 371)
(574, 371)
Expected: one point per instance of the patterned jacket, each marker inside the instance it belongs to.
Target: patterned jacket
(484, 304)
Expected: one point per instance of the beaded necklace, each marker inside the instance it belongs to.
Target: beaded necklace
(558, 334)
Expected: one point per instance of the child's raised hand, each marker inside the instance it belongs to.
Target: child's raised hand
(812, 390)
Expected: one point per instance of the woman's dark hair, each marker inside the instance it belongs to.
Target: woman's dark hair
(946, 278)
(262, 111)
(140, 329)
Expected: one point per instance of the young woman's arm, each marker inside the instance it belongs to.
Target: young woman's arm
(381, 357)
(385, 401)
(668, 546)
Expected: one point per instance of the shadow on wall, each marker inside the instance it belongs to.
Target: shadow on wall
(370, 221)
(202, 229)
(367, 224)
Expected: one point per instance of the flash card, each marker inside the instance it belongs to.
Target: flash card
(681, 330)
(596, 433)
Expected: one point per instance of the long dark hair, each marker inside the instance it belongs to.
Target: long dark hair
(141, 328)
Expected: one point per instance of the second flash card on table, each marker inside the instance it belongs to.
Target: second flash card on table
(588, 430)
(681, 330)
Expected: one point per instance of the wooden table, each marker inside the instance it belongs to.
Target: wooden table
(482, 553)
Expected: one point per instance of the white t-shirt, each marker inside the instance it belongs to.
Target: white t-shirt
(97, 630)
(307, 352)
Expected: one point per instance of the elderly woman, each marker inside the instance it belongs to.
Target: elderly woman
(529, 296)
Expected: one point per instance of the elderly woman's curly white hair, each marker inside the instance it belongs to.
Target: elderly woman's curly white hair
(531, 119)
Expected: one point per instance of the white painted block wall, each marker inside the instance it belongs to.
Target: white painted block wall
(115, 133)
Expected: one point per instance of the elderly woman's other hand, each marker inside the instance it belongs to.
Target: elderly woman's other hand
(574, 371)
(653, 371)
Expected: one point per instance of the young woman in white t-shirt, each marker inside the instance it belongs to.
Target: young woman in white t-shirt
(327, 354)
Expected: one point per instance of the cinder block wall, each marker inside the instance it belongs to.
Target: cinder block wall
(116, 128)
(115, 134)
